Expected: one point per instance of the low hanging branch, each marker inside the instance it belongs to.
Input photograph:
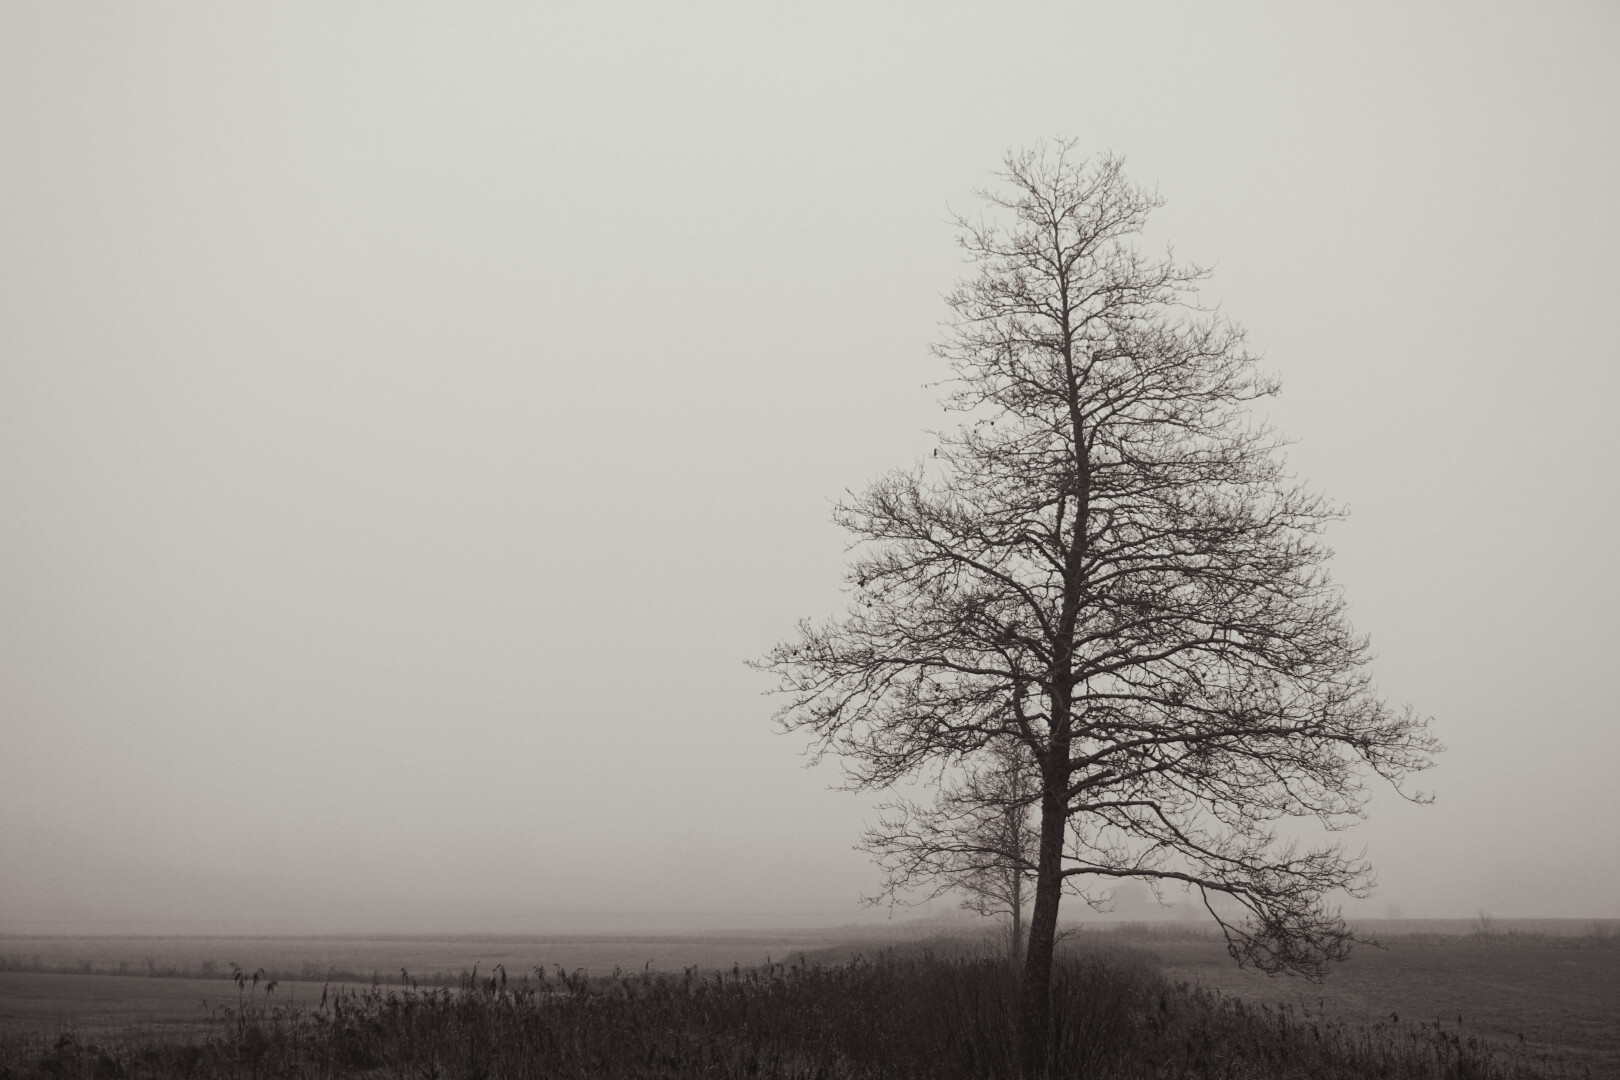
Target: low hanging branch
(1106, 571)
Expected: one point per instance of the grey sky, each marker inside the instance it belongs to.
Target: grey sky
(411, 417)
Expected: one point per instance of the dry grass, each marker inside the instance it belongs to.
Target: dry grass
(1557, 995)
(913, 1015)
(363, 959)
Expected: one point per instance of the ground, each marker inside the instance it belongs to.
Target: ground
(1561, 995)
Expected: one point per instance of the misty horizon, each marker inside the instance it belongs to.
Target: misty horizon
(412, 420)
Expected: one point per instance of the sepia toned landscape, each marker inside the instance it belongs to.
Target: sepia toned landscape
(1530, 998)
(855, 541)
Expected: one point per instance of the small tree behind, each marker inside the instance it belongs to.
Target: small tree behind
(1108, 565)
(979, 838)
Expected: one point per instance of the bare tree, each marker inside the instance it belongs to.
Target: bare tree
(977, 839)
(1108, 563)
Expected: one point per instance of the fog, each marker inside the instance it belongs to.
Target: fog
(412, 417)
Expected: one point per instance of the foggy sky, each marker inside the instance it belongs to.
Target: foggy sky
(411, 417)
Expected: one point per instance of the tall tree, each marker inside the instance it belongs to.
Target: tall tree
(1108, 564)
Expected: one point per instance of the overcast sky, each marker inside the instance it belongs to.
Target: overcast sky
(411, 417)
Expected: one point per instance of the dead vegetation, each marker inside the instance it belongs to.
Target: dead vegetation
(911, 1014)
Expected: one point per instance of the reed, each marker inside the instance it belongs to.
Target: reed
(891, 1016)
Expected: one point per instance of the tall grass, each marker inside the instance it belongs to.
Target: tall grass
(893, 1017)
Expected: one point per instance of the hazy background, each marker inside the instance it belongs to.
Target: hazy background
(411, 417)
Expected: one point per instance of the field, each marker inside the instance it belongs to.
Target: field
(1561, 995)
(359, 959)
(1544, 997)
(108, 985)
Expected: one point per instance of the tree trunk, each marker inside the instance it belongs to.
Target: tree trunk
(1015, 947)
(1035, 1001)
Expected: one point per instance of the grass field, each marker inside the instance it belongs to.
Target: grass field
(360, 958)
(103, 1005)
(1562, 995)
(106, 985)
